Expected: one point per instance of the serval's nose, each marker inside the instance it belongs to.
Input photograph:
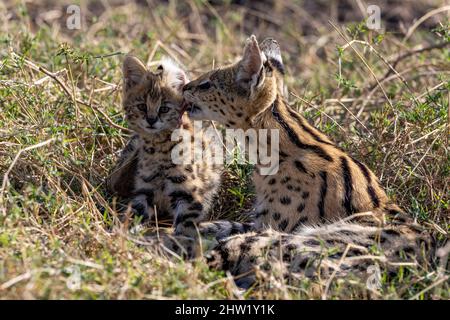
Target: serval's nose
(152, 120)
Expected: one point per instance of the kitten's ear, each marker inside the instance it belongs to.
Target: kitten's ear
(174, 75)
(251, 65)
(271, 50)
(133, 71)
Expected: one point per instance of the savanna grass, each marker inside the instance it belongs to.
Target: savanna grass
(383, 98)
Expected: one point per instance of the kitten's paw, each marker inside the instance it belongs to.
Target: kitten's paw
(140, 207)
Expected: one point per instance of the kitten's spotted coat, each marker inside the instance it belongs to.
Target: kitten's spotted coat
(145, 171)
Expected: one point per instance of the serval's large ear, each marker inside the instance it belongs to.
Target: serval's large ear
(272, 51)
(133, 71)
(174, 75)
(250, 72)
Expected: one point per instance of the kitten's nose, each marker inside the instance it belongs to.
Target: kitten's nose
(151, 120)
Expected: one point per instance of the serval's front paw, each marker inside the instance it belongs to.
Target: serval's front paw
(187, 228)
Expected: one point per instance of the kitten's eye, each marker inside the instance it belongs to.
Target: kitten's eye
(163, 110)
(205, 85)
(142, 107)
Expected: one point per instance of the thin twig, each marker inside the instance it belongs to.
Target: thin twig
(90, 105)
(422, 19)
(405, 55)
(316, 108)
(430, 287)
(16, 158)
(364, 62)
(66, 90)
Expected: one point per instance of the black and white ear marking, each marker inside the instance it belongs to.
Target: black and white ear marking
(175, 76)
(272, 51)
(251, 64)
(133, 71)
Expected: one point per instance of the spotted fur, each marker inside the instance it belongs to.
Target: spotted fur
(342, 248)
(153, 104)
(317, 182)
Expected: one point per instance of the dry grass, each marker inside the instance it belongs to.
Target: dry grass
(385, 99)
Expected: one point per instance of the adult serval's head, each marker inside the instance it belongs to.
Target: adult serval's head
(235, 94)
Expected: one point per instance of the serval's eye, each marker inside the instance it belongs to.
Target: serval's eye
(205, 85)
(163, 109)
(142, 107)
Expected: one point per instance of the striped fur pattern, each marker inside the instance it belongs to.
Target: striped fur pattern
(316, 183)
(153, 104)
(345, 247)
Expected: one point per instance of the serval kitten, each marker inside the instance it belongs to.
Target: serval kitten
(153, 104)
(316, 181)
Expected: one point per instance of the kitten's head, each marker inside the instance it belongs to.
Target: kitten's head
(152, 100)
(235, 94)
